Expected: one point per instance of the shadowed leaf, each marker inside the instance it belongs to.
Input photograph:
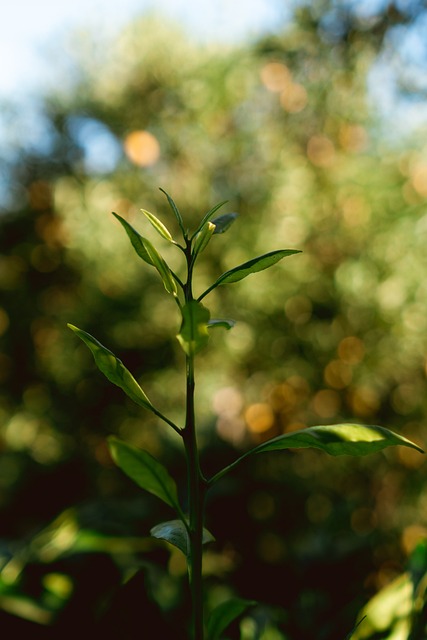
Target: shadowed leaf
(223, 615)
(147, 472)
(224, 222)
(175, 532)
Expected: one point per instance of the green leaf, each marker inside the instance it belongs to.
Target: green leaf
(338, 439)
(176, 212)
(221, 322)
(335, 439)
(175, 532)
(208, 216)
(222, 223)
(136, 239)
(224, 614)
(252, 266)
(147, 472)
(161, 266)
(150, 255)
(353, 631)
(113, 368)
(158, 225)
(202, 238)
(193, 335)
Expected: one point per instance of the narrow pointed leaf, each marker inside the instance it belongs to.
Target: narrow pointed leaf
(221, 322)
(147, 472)
(193, 335)
(252, 266)
(222, 223)
(353, 631)
(176, 212)
(335, 439)
(136, 239)
(224, 614)
(175, 532)
(113, 368)
(339, 439)
(158, 225)
(161, 266)
(208, 216)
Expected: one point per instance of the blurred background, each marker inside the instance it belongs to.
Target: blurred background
(310, 118)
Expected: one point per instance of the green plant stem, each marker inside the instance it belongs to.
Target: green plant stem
(196, 495)
(197, 484)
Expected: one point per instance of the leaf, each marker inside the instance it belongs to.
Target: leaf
(136, 239)
(193, 335)
(335, 439)
(113, 368)
(224, 614)
(223, 322)
(149, 254)
(161, 266)
(147, 472)
(338, 439)
(208, 216)
(353, 631)
(222, 223)
(252, 266)
(176, 212)
(175, 532)
(202, 238)
(158, 225)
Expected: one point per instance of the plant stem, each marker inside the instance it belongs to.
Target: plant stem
(197, 484)
(196, 495)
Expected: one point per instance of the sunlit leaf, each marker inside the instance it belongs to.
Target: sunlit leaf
(222, 223)
(202, 238)
(224, 614)
(335, 439)
(147, 472)
(252, 266)
(176, 212)
(146, 250)
(338, 439)
(136, 239)
(353, 631)
(175, 532)
(158, 225)
(193, 335)
(221, 322)
(113, 368)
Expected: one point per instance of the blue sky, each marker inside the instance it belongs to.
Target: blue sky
(27, 27)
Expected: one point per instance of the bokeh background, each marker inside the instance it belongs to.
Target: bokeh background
(310, 119)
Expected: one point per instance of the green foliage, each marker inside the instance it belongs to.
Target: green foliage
(282, 128)
(189, 535)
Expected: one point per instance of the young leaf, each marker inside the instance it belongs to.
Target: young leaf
(252, 266)
(223, 322)
(175, 532)
(176, 212)
(150, 255)
(136, 239)
(147, 472)
(202, 238)
(113, 368)
(158, 225)
(222, 223)
(208, 216)
(193, 335)
(161, 266)
(224, 614)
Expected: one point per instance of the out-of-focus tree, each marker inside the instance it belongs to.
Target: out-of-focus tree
(284, 129)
